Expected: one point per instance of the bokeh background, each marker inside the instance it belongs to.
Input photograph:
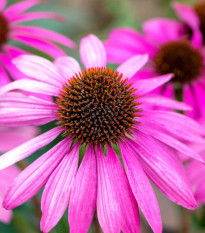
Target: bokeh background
(98, 17)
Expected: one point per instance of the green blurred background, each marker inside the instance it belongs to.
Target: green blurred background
(98, 17)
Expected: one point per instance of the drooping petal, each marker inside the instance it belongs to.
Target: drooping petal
(163, 30)
(45, 34)
(130, 220)
(2, 4)
(31, 86)
(57, 191)
(67, 67)
(164, 169)
(132, 65)
(84, 194)
(141, 188)
(28, 148)
(35, 176)
(92, 52)
(147, 85)
(108, 209)
(20, 7)
(39, 69)
(4, 77)
(5, 215)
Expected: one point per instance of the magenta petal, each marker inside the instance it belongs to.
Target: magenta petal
(108, 209)
(92, 52)
(84, 194)
(35, 176)
(44, 33)
(4, 77)
(31, 86)
(67, 67)
(20, 7)
(132, 65)
(39, 69)
(130, 220)
(2, 4)
(164, 169)
(5, 215)
(147, 85)
(28, 148)
(141, 188)
(57, 191)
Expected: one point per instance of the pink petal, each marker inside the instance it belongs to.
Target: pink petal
(35, 176)
(34, 16)
(39, 69)
(147, 85)
(7, 176)
(4, 77)
(84, 194)
(2, 4)
(45, 34)
(164, 169)
(161, 101)
(39, 44)
(31, 86)
(141, 188)
(130, 221)
(108, 209)
(179, 125)
(163, 30)
(57, 191)
(28, 148)
(5, 215)
(12, 137)
(67, 67)
(169, 140)
(132, 65)
(92, 52)
(20, 7)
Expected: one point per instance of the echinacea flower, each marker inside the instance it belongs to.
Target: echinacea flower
(36, 37)
(7, 176)
(98, 108)
(169, 52)
(10, 138)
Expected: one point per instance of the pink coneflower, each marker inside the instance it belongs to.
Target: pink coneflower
(99, 108)
(38, 38)
(7, 176)
(169, 52)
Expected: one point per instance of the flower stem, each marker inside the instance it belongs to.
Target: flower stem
(96, 225)
(185, 221)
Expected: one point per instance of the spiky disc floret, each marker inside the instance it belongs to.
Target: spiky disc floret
(97, 107)
(4, 29)
(180, 58)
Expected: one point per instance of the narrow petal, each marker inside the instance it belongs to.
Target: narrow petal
(67, 67)
(4, 77)
(131, 66)
(5, 215)
(39, 69)
(92, 52)
(28, 148)
(40, 44)
(161, 101)
(130, 220)
(20, 7)
(57, 191)
(164, 169)
(45, 34)
(108, 209)
(141, 188)
(147, 85)
(35, 176)
(31, 86)
(84, 195)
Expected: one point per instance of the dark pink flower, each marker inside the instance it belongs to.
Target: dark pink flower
(36, 37)
(170, 51)
(97, 107)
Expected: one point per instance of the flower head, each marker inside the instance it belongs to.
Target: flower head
(101, 109)
(169, 52)
(36, 37)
